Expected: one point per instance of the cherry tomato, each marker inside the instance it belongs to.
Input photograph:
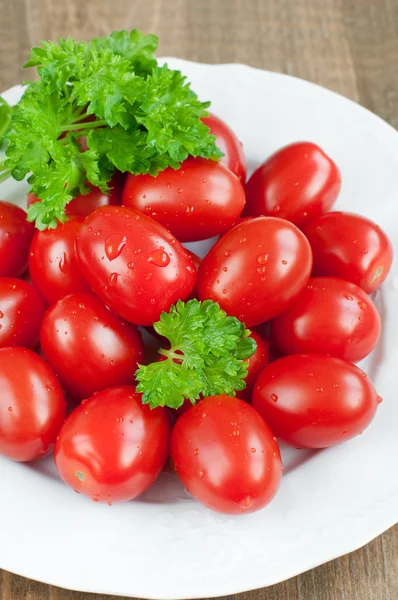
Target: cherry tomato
(330, 316)
(133, 264)
(256, 270)
(84, 204)
(15, 237)
(198, 201)
(88, 346)
(226, 455)
(52, 262)
(351, 247)
(256, 364)
(312, 401)
(226, 140)
(296, 183)
(21, 313)
(32, 405)
(112, 447)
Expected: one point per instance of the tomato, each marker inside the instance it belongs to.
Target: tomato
(53, 264)
(88, 346)
(84, 204)
(21, 313)
(226, 140)
(15, 237)
(351, 247)
(330, 316)
(256, 364)
(226, 455)
(296, 183)
(32, 405)
(198, 201)
(133, 264)
(112, 447)
(256, 270)
(312, 401)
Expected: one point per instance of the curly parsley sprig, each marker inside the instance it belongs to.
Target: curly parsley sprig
(206, 355)
(136, 116)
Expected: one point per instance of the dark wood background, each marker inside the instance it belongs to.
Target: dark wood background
(350, 46)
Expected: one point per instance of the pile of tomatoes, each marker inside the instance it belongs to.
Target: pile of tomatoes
(74, 300)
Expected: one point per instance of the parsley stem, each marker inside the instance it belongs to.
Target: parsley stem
(3, 164)
(170, 354)
(5, 175)
(90, 125)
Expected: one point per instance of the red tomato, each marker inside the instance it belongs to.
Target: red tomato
(88, 346)
(112, 447)
(15, 237)
(52, 263)
(84, 204)
(256, 364)
(256, 270)
(21, 313)
(351, 247)
(226, 455)
(32, 405)
(330, 316)
(312, 401)
(133, 264)
(226, 140)
(296, 183)
(198, 201)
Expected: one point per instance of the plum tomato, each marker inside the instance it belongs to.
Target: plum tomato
(198, 201)
(32, 405)
(53, 264)
(313, 401)
(15, 237)
(21, 313)
(256, 270)
(226, 456)
(330, 316)
(296, 183)
(351, 247)
(228, 143)
(112, 447)
(89, 347)
(133, 264)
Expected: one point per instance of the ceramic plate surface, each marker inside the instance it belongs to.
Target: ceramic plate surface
(165, 545)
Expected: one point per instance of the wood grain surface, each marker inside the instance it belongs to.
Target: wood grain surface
(350, 46)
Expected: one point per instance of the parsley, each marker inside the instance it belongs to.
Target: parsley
(136, 116)
(209, 347)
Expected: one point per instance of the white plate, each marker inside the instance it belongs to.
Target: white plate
(165, 545)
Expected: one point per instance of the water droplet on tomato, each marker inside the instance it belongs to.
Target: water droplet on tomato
(114, 245)
(247, 502)
(63, 263)
(252, 450)
(262, 259)
(261, 270)
(364, 251)
(113, 279)
(320, 389)
(159, 257)
(224, 291)
(119, 419)
(196, 451)
(225, 269)
(348, 297)
(284, 262)
(274, 398)
(1, 314)
(227, 253)
(276, 208)
(10, 409)
(362, 305)
(179, 191)
(95, 500)
(379, 399)
(242, 240)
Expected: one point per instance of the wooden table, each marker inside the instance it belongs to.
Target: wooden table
(350, 46)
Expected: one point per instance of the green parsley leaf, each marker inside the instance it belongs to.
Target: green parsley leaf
(206, 356)
(5, 118)
(136, 117)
